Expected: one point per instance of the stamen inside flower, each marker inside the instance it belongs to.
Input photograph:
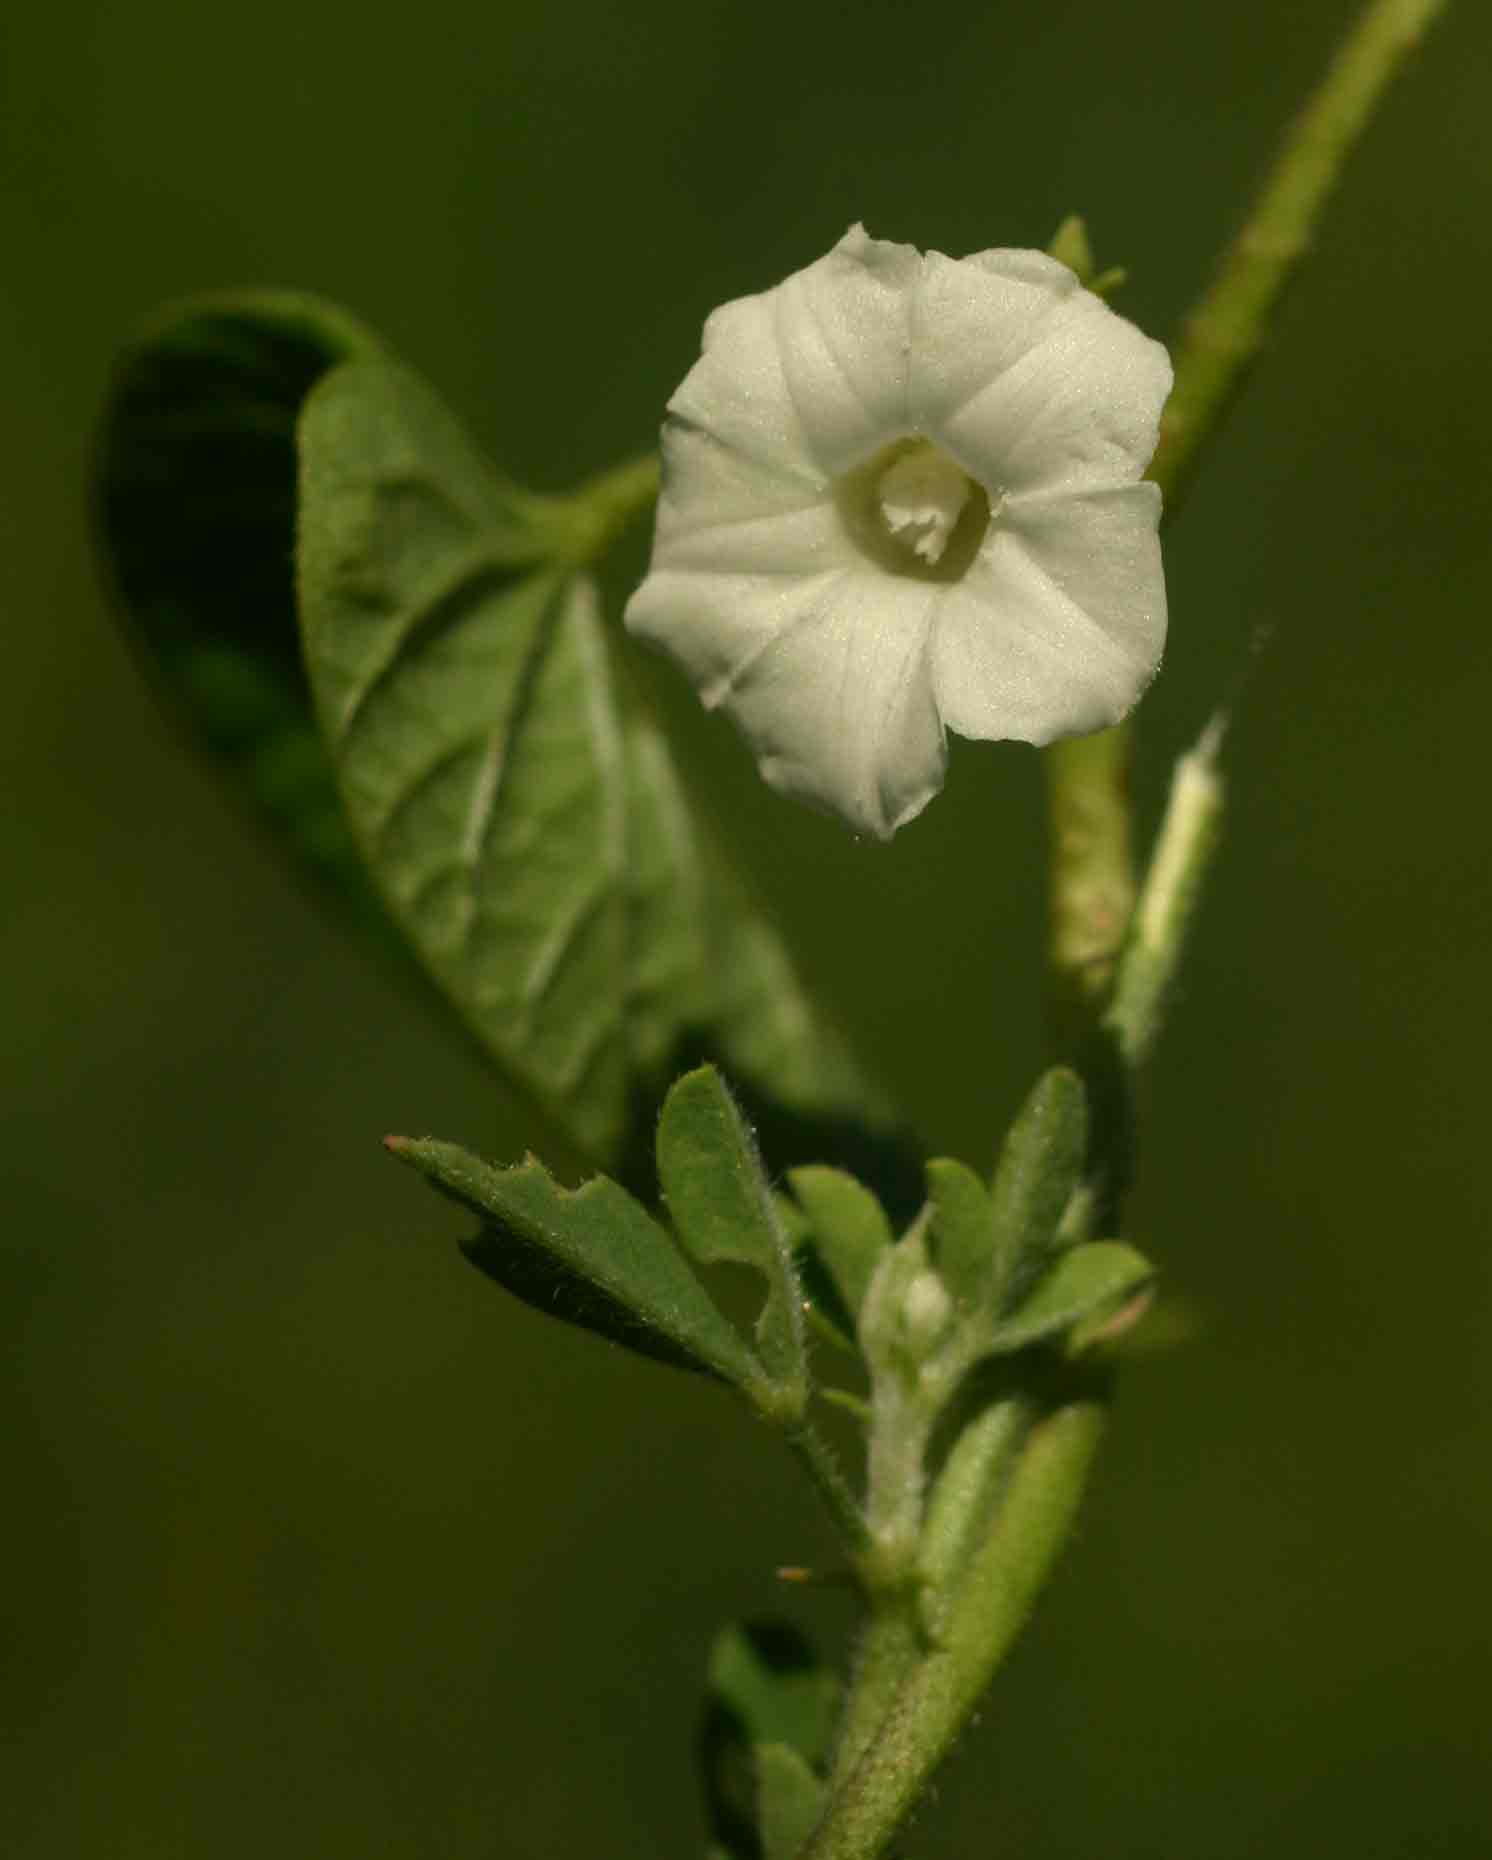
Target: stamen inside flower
(922, 496)
(914, 511)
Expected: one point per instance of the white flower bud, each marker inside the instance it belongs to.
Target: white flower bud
(925, 1311)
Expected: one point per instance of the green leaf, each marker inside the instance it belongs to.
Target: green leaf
(724, 1213)
(1086, 1283)
(961, 1234)
(766, 1687)
(790, 1801)
(766, 1675)
(592, 1256)
(196, 506)
(823, 1307)
(963, 1501)
(1040, 1165)
(519, 811)
(847, 1225)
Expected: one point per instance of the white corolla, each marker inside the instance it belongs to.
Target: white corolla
(902, 494)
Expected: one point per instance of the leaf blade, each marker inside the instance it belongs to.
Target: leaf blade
(722, 1208)
(848, 1228)
(603, 1243)
(962, 1230)
(1041, 1164)
(519, 810)
(1085, 1283)
(195, 511)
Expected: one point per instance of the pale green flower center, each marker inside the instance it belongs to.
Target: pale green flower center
(914, 511)
(922, 496)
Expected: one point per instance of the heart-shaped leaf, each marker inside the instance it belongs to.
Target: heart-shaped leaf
(196, 507)
(519, 812)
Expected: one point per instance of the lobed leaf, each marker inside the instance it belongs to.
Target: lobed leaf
(592, 1256)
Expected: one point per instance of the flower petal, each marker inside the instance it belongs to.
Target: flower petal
(1058, 626)
(715, 625)
(1028, 380)
(810, 378)
(838, 705)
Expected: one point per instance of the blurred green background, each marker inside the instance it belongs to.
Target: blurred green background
(318, 1545)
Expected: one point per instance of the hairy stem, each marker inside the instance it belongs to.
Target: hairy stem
(604, 505)
(1092, 889)
(941, 1689)
(829, 1482)
(1225, 331)
(891, 1645)
(1088, 780)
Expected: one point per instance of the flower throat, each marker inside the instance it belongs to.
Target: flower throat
(915, 512)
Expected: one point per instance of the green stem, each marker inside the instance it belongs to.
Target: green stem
(1225, 331)
(939, 1692)
(1088, 779)
(606, 504)
(830, 1483)
(1092, 873)
(890, 1647)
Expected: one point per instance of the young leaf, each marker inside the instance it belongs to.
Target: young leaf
(522, 818)
(766, 1687)
(961, 1235)
(196, 517)
(723, 1210)
(1040, 1166)
(847, 1226)
(767, 1677)
(790, 1801)
(592, 1256)
(963, 1500)
(824, 1308)
(1086, 1282)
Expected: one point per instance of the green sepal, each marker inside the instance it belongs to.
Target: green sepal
(1084, 1287)
(1040, 1166)
(790, 1801)
(723, 1211)
(847, 1226)
(195, 499)
(961, 1231)
(592, 1256)
(1072, 247)
(767, 1688)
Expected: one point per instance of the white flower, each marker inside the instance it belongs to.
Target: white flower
(901, 493)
